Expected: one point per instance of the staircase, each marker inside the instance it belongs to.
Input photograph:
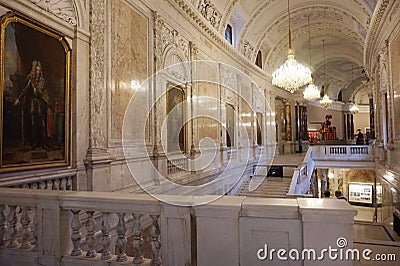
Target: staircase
(271, 187)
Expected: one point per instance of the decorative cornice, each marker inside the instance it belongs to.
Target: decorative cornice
(200, 22)
(373, 32)
(210, 13)
(63, 9)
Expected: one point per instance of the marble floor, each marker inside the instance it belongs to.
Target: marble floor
(378, 237)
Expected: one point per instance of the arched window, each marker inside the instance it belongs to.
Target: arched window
(259, 59)
(229, 34)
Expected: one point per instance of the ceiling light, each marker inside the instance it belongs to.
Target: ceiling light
(291, 75)
(325, 102)
(311, 92)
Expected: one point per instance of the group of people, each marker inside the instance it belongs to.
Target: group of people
(361, 139)
(338, 194)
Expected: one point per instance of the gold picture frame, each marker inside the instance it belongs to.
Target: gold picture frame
(35, 69)
(176, 113)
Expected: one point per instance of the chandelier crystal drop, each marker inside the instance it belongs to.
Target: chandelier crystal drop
(354, 109)
(311, 93)
(326, 102)
(291, 75)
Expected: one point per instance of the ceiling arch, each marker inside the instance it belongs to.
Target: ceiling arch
(262, 25)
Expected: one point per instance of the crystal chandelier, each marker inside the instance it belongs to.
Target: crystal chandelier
(354, 109)
(311, 92)
(325, 102)
(291, 75)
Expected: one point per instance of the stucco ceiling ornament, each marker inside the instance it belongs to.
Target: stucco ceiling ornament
(63, 9)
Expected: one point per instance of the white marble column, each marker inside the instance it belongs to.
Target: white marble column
(98, 159)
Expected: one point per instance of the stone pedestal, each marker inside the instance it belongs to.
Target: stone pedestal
(327, 224)
(218, 232)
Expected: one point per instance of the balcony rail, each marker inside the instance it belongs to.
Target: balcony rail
(343, 152)
(43, 227)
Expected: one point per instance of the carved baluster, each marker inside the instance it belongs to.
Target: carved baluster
(90, 237)
(69, 183)
(12, 223)
(2, 224)
(121, 241)
(155, 242)
(76, 233)
(63, 184)
(137, 239)
(49, 185)
(56, 184)
(42, 184)
(106, 239)
(34, 226)
(25, 230)
(34, 185)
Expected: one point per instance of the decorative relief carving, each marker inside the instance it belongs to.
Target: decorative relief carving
(63, 9)
(97, 89)
(168, 42)
(229, 82)
(210, 13)
(247, 49)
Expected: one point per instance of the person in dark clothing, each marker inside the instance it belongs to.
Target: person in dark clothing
(339, 195)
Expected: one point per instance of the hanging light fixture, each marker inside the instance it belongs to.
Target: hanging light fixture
(325, 102)
(311, 92)
(291, 75)
(353, 108)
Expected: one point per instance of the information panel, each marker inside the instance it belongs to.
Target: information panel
(360, 193)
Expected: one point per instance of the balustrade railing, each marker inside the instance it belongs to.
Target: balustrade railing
(342, 152)
(99, 225)
(100, 228)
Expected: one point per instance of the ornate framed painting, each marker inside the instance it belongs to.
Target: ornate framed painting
(34, 96)
(176, 136)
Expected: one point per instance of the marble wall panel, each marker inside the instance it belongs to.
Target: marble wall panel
(129, 61)
(395, 56)
(207, 126)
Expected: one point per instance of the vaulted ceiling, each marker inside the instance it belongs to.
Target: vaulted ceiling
(342, 24)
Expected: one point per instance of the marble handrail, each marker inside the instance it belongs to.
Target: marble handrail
(38, 222)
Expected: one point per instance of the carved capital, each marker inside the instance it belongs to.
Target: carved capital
(63, 9)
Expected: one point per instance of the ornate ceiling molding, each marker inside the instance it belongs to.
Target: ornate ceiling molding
(227, 16)
(210, 13)
(200, 22)
(247, 49)
(63, 9)
(373, 33)
(333, 29)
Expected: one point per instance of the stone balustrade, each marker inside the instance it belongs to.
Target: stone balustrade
(342, 152)
(63, 180)
(40, 227)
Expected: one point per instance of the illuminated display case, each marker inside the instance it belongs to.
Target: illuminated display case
(363, 193)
